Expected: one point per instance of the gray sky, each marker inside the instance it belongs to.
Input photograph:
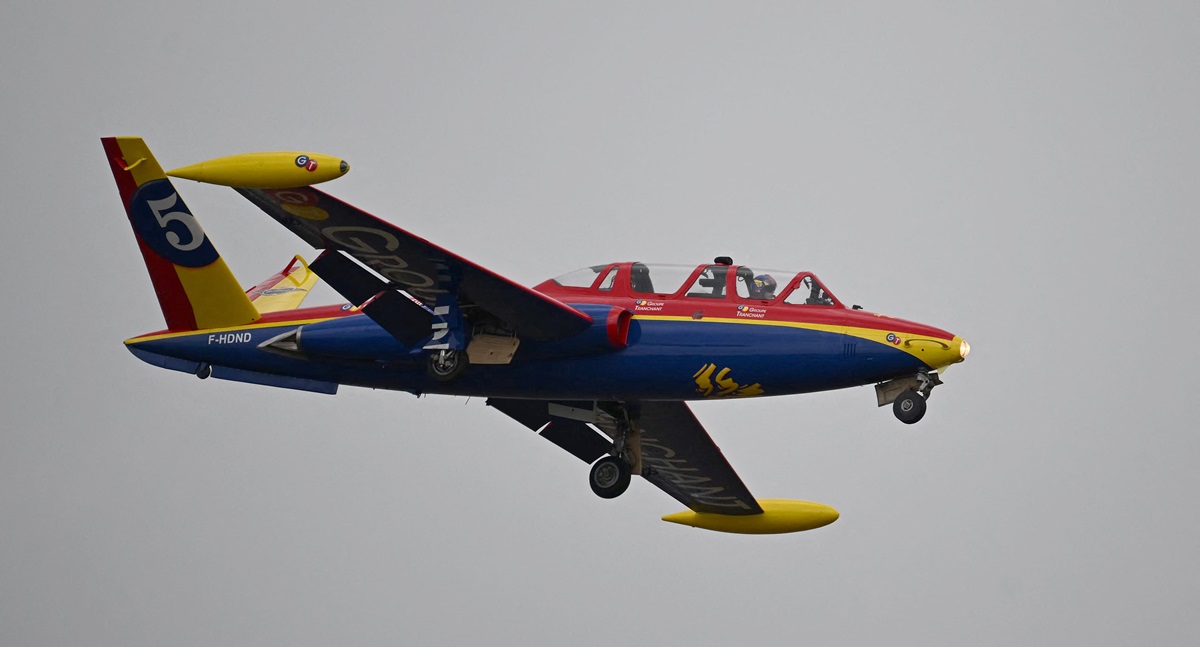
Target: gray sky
(1023, 174)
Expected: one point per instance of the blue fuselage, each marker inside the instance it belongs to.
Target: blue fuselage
(665, 358)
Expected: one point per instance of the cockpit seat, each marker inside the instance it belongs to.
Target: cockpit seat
(640, 279)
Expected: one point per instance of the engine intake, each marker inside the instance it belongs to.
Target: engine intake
(609, 332)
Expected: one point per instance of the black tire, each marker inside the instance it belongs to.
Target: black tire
(610, 477)
(447, 365)
(909, 407)
(204, 370)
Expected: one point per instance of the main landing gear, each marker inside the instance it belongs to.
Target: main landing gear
(447, 365)
(610, 477)
(611, 474)
(908, 395)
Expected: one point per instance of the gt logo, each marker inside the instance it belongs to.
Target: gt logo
(307, 163)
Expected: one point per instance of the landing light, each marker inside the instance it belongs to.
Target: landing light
(964, 349)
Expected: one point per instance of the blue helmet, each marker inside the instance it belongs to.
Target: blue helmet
(762, 287)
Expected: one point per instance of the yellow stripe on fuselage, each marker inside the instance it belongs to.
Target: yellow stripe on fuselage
(256, 326)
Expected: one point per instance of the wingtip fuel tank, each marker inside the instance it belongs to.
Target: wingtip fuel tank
(277, 170)
(778, 516)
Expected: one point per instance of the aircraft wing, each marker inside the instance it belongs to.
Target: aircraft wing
(678, 455)
(410, 263)
(681, 459)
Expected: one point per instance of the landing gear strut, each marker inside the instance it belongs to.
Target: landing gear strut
(610, 476)
(907, 395)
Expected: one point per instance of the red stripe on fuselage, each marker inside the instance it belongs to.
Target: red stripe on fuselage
(701, 309)
(864, 319)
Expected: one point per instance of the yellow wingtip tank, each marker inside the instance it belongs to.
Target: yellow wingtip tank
(779, 516)
(277, 170)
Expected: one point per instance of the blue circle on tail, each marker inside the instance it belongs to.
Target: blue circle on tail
(165, 224)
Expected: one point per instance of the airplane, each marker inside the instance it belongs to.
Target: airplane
(600, 361)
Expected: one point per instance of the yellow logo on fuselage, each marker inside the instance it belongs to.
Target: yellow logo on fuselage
(720, 385)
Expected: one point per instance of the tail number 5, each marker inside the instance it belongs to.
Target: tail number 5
(195, 233)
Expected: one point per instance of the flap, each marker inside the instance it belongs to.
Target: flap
(580, 440)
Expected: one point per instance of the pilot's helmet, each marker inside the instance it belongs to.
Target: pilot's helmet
(762, 287)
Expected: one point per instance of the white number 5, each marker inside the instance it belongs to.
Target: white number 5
(195, 233)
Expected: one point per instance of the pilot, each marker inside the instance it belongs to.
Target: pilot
(762, 287)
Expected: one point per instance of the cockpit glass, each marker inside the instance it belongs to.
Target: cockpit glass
(761, 284)
(606, 284)
(809, 292)
(710, 284)
(658, 279)
(583, 278)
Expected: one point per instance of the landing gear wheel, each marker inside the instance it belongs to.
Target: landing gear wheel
(204, 370)
(909, 407)
(610, 477)
(447, 365)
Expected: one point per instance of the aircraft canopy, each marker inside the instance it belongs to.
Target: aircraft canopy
(715, 281)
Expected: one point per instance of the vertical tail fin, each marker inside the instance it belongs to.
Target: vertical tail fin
(195, 288)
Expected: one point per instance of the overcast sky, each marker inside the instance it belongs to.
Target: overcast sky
(1022, 174)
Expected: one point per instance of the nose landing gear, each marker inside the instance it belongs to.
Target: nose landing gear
(907, 395)
(909, 407)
